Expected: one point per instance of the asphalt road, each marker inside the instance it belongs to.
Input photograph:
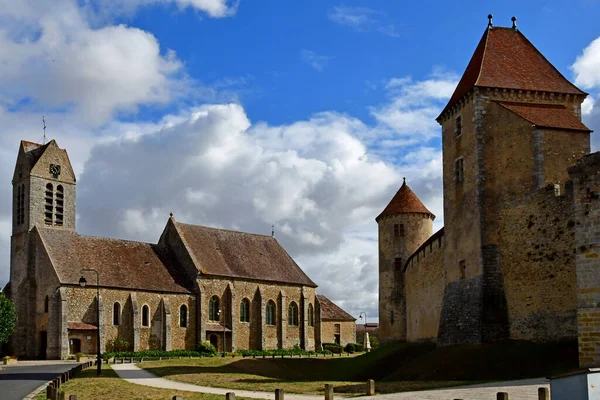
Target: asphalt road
(18, 382)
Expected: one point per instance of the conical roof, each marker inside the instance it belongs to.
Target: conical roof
(405, 201)
(505, 59)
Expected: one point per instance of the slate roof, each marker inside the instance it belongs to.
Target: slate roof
(554, 116)
(221, 252)
(331, 312)
(505, 59)
(120, 263)
(404, 201)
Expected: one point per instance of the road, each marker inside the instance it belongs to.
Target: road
(16, 382)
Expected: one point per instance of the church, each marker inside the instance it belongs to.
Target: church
(518, 256)
(234, 289)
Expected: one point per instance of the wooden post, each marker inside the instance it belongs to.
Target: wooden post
(50, 390)
(229, 396)
(62, 396)
(328, 391)
(279, 394)
(370, 387)
(502, 396)
(543, 393)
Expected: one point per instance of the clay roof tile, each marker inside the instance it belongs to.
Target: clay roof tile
(404, 201)
(332, 312)
(555, 116)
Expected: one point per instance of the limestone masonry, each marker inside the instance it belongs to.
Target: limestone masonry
(235, 289)
(518, 257)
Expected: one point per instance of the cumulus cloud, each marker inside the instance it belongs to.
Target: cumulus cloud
(587, 75)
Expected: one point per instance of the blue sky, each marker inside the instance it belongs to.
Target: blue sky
(301, 114)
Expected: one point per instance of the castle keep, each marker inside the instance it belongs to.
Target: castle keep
(235, 289)
(517, 257)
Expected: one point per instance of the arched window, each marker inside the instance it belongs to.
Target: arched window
(311, 320)
(116, 313)
(49, 204)
(183, 316)
(60, 203)
(293, 314)
(213, 309)
(145, 315)
(46, 304)
(245, 310)
(270, 311)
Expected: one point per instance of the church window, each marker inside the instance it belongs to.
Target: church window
(46, 304)
(270, 313)
(245, 310)
(311, 317)
(20, 209)
(49, 204)
(459, 170)
(116, 313)
(458, 126)
(293, 314)
(213, 309)
(463, 269)
(398, 264)
(183, 311)
(60, 202)
(145, 315)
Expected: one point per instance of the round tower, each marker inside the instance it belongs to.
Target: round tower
(404, 225)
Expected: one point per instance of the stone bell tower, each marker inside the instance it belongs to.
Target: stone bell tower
(403, 226)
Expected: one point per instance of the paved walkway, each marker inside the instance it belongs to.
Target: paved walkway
(18, 381)
(518, 390)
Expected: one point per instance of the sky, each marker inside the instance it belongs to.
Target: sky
(244, 114)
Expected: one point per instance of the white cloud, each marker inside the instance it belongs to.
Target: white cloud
(362, 19)
(587, 66)
(313, 59)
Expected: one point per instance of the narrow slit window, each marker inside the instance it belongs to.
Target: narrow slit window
(398, 264)
(145, 315)
(311, 316)
(463, 269)
(459, 171)
(46, 304)
(116, 314)
(183, 316)
(458, 126)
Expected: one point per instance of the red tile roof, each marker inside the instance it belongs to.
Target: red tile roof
(505, 59)
(221, 252)
(405, 201)
(120, 263)
(81, 326)
(546, 115)
(331, 312)
(216, 327)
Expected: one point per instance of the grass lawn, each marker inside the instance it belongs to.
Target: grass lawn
(294, 375)
(109, 386)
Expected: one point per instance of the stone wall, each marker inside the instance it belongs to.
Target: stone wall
(392, 297)
(347, 331)
(586, 193)
(425, 283)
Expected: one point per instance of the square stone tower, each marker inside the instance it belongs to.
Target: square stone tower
(511, 127)
(43, 195)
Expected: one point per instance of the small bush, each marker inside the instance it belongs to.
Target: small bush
(374, 342)
(359, 347)
(156, 354)
(117, 345)
(206, 348)
(333, 347)
(79, 355)
(350, 348)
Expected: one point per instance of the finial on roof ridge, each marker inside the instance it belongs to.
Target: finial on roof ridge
(490, 25)
(171, 214)
(404, 178)
(272, 230)
(514, 25)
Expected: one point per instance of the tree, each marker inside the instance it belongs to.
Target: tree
(8, 318)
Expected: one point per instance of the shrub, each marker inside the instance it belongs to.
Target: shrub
(117, 345)
(206, 348)
(359, 347)
(333, 347)
(350, 348)
(374, 342)
(156, 354)
(79, 355)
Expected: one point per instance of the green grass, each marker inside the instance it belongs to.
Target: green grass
(87, 385)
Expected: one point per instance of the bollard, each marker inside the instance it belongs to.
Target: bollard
(543, 393)
(279, 394)
(502, 396)
(229, 396)
(50, 392)
(56, 382)
(370, 387)
(61, 396)
(328, 391)
(177, 397)
(72, 397)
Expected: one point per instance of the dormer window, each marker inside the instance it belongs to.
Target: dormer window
(458, 126)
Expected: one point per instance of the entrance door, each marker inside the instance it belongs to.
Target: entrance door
(74, 346)
(43, 344)
(214, 340)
